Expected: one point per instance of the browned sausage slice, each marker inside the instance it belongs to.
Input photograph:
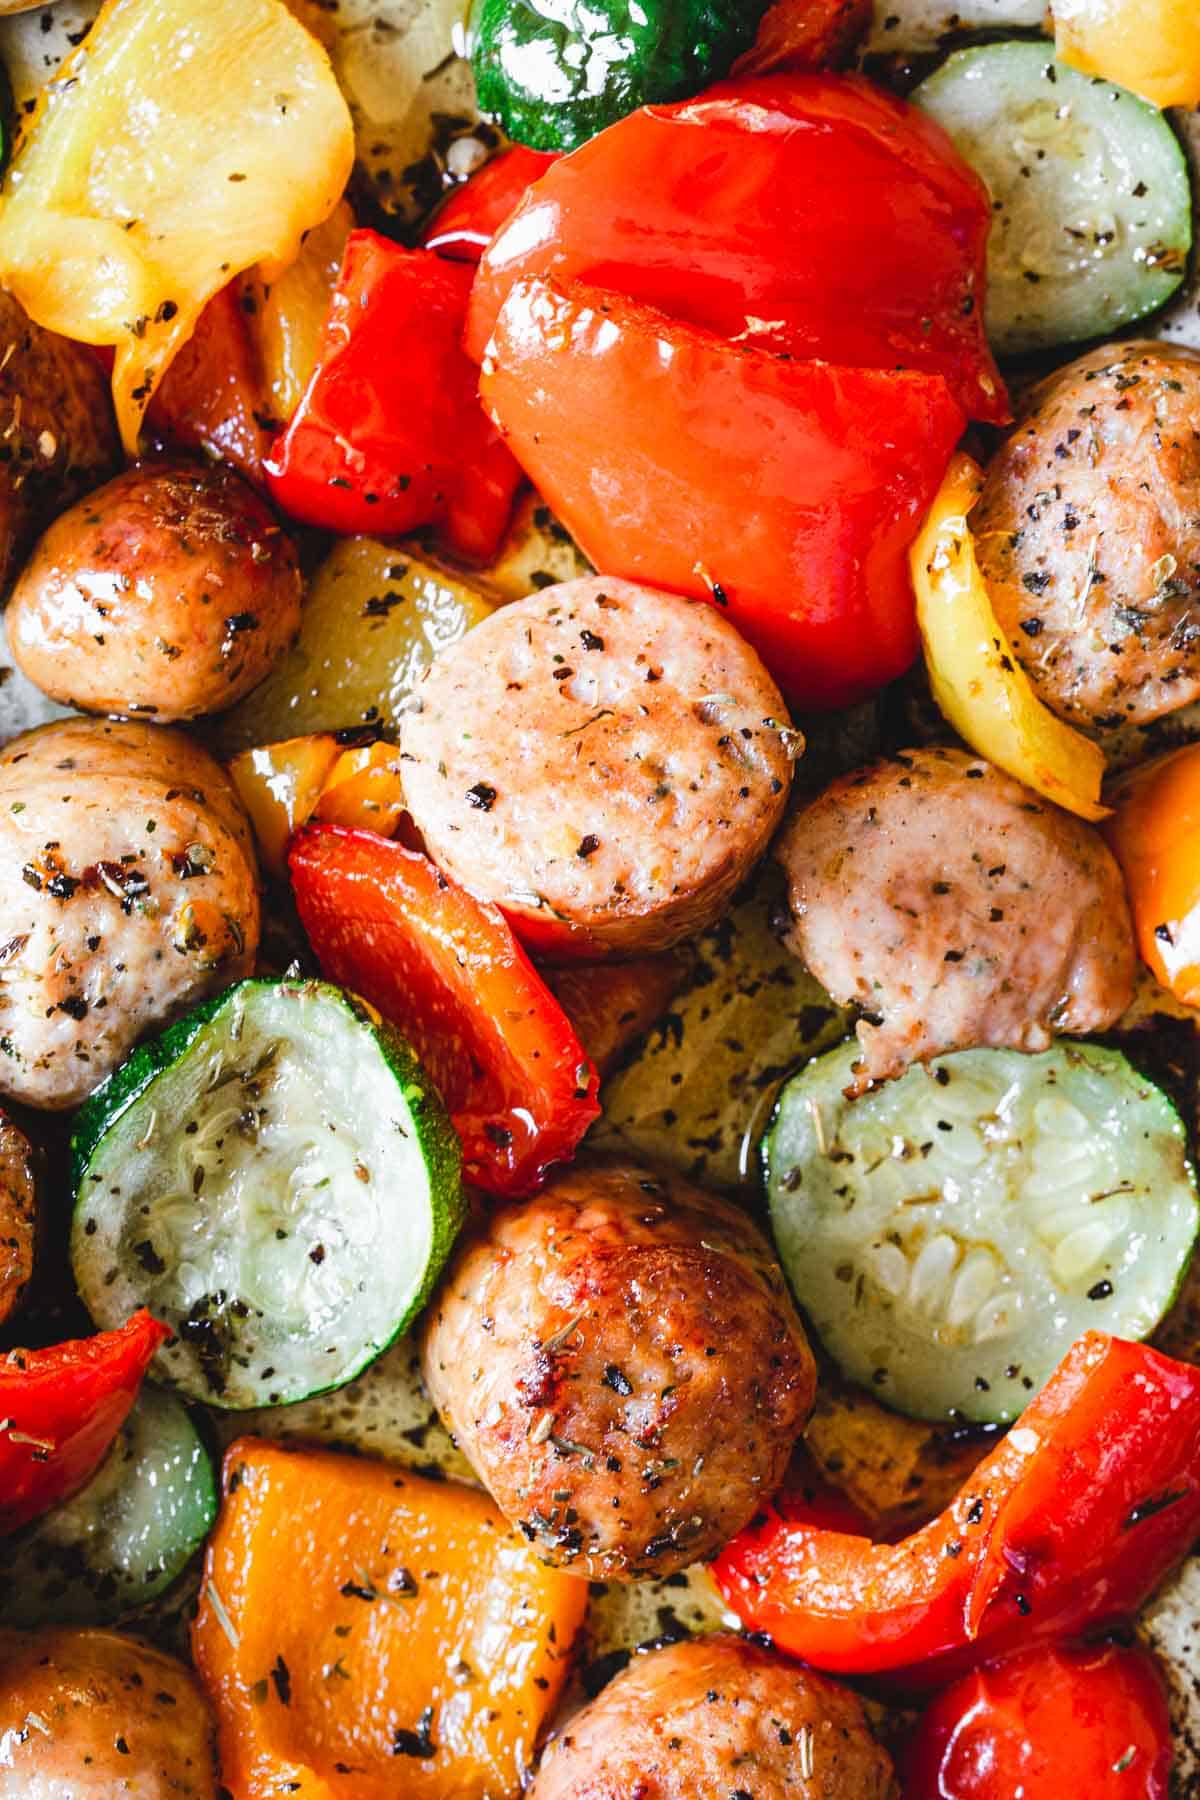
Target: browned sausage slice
(957, 908)
(128, 891)
(93, 1715)
(711, 1719)
(56, 424)
(604, 761)
(168, 593)
(621, 1363)
(1088, 531)
(18, 1216)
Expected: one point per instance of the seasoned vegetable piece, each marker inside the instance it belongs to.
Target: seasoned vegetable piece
(1151, 46)
(1091, 206)
(702, 1718)
(169, 593)
(276, 1177)
(957, 909)
(93, 1715)
(57, 421)
(374, 618)
(627, 760)
(952, 1233)
(809, 215)
(211, 177)
(1058, 1721)
(553, 77)
(463, 228)
(389, 434)
(803, 36)
(447, 970)
(787, 493)
(279, 784)
(1088, 534)
(287, 316)
(976, 682)
(213, 398)
(124, 1537)
(417, 1647)
(60, 1410)
(1155, 835)
(1068, 1525)
(18, 1216)
(698, 1093)
(621, 1363)
(128, 891)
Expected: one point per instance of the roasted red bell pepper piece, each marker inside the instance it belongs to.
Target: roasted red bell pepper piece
(788, 492)
(214, 395)
(389, 434)
(446, 969)
(802, 36)
(1067, 1525)
(1052, 1724)
(812, 215)
(60, 1410)
(474, 212)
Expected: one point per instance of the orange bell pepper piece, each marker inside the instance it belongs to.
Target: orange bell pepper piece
(1155, 836)
(366, 1633)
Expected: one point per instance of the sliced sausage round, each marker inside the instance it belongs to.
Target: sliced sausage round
(714, 1718)
(604, 761)
(957, 908)
(1088, 532)
(128, 891)
(92, 1715)
(18, 1216)
(168, 593)
(621, 1363)
(56, 424)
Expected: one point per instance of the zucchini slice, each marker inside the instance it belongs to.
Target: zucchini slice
(125, 1537)
(951, 1233)
(1092, 214)
(276, 1179)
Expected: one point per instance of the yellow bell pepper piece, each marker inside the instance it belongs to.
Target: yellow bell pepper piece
(179, 145)
(288, 314)
(279, 786)
(976, 680)
(363, 789)
(1151, 47)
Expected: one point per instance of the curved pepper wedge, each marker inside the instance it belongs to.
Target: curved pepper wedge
(389, 433)
(809, 215)
(786, 492)
(61, 1408)
(446, 970)
(1067, 1525)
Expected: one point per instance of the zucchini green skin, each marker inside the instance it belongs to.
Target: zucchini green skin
(949, 1234)
(1092, 213)
(553, 73)
(435, 1142)
(127, 1536)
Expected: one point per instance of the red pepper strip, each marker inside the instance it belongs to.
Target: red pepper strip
(788, 492)
(811, 215)
(464, 226)
(805, 35)
(1068, 1525)
(389, 434)
(446, 969)
(60, 1410)
(214, 395)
